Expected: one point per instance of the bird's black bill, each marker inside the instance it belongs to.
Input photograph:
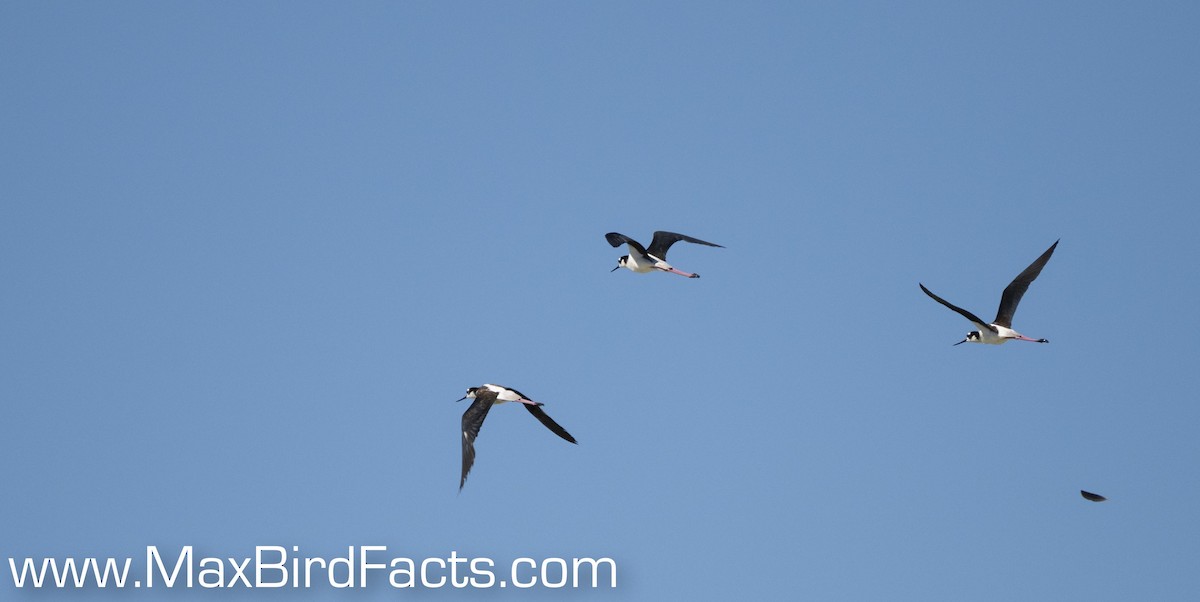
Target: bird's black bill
(959, 343)
(460, 399)
(614, 269)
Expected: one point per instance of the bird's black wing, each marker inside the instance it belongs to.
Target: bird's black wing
(522, 395)
(663, 241)
(550, 424)
(1092, 497)
(964, 313)
(1016, 289)
(615, 239)
(472, 420)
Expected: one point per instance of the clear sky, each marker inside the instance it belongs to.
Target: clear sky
(251, 253)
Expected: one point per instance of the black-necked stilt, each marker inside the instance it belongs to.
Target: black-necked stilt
(642, 260)
(1000, 330)
(1092, 497)
(485, 397)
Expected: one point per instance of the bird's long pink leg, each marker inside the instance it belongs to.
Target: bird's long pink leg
(681, 272)
(1021, 337)
(529, 402)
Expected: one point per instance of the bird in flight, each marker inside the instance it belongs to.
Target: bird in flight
(1000, 330)
(641, 259)
(472, 419)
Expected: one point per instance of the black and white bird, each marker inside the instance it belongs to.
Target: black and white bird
(1000, 330)
(472, 419)
(641, 259)
(1092, 497)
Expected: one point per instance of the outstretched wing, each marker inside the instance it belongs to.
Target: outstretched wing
(962, 312)
(1016, 289)
(1094, 497)
(550, 424)
(663, 241)
(616, 239)
(472, 420)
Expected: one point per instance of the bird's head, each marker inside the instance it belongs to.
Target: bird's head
(470, 394)
(620, 263)
(972, 337)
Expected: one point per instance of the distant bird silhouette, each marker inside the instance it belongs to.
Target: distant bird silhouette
(641, 259)
(1094, 497)
(472, 419)
(1000, 330)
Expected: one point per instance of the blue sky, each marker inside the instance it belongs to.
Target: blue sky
(252, 253)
